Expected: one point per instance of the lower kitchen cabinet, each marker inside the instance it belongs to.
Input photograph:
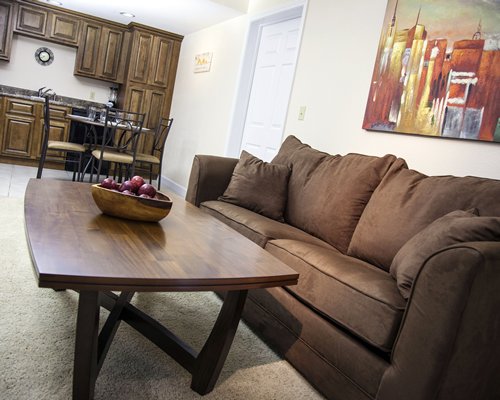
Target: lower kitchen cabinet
(18, 136)
(21, 129)
(59, 129)
(153, 102)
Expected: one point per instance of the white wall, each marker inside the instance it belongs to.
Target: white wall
(333, 76)
(24, 72)
(202, 102)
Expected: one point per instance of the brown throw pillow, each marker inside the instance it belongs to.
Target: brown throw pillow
(258, 186)
(455, 227)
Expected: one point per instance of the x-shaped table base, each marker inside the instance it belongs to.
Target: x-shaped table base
(91, 346)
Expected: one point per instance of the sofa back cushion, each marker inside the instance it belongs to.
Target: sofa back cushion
(328, 193)
(258, 186)
(406, 201)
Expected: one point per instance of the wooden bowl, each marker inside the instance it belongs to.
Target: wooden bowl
(131, 207)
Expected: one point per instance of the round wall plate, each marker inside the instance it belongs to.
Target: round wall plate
(44, 56)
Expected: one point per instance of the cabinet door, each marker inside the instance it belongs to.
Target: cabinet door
(160, 61)
(18, 136)
(59, 130)
(88, 50)
(140, 57)
(109, 53)
(155, 104)
(6, 18)
(58, 122)
(144, 100)
(32, 20)
(64, 28)
(135, 99)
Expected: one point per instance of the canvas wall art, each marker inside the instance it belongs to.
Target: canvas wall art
(437, 70)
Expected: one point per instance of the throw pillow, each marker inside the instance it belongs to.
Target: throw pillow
(455, 227)
(258, 186)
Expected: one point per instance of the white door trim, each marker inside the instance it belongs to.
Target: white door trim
(248, 66)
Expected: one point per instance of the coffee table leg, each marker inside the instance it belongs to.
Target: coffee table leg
(85, 364)
(211, 358)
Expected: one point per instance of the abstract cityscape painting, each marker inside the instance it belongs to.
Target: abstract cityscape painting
(437, 70)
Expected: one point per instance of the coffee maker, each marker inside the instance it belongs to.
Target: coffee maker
(113, 96)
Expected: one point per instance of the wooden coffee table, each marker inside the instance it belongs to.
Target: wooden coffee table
(74, 246)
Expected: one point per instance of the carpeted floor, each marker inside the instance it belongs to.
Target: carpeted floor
(37, 339)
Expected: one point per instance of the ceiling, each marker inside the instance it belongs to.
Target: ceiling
(177, 16)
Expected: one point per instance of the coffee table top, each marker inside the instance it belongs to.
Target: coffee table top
(74, 246)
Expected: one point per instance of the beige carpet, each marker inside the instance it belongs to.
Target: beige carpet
(37, 338)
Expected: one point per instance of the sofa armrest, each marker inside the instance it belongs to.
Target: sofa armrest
(448, 343)
(210, 176)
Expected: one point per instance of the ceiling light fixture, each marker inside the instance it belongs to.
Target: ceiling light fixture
(55, 2)
(127, 14)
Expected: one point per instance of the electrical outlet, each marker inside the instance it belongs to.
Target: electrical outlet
(92, 95)
(302, 113)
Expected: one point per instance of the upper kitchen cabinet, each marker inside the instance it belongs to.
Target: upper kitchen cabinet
(152, 66)
(6, 21)
(152, 57)
(63, 28)
(48, 24)
(101, 52)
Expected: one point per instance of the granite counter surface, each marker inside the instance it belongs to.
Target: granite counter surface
(32, 95)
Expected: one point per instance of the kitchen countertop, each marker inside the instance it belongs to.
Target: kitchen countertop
(32, 95)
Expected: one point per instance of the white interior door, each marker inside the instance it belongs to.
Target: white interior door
(271, 87)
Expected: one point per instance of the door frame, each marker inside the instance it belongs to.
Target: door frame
(247, 69)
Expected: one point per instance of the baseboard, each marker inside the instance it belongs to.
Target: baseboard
(173, 186)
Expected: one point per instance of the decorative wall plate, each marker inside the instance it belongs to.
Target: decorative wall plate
(44, 56)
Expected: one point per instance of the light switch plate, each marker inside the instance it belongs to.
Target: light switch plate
(302, 113)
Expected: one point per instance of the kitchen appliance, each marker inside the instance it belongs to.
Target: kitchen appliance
(113, 96)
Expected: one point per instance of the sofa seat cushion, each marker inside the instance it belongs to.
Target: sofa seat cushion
(328, 193)
(349, 292)
(406, 201)
(256, 227)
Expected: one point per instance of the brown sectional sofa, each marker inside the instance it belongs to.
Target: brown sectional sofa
(351, 326)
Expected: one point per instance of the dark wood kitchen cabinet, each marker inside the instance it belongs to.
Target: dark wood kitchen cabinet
(151, 101)
(152, 66)
(6, 28)
(151, 58)
(101, 52)
(19, 127)
(147, 100)
(48, 24)
(59, 128)
(21, 132)
(63, 28)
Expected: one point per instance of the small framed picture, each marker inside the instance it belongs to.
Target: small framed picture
(202, 62)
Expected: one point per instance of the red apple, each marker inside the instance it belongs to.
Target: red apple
(128, 192)
(138, 181)
(108, 183)
(127, 185)
(145, 196)
(147, 189)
